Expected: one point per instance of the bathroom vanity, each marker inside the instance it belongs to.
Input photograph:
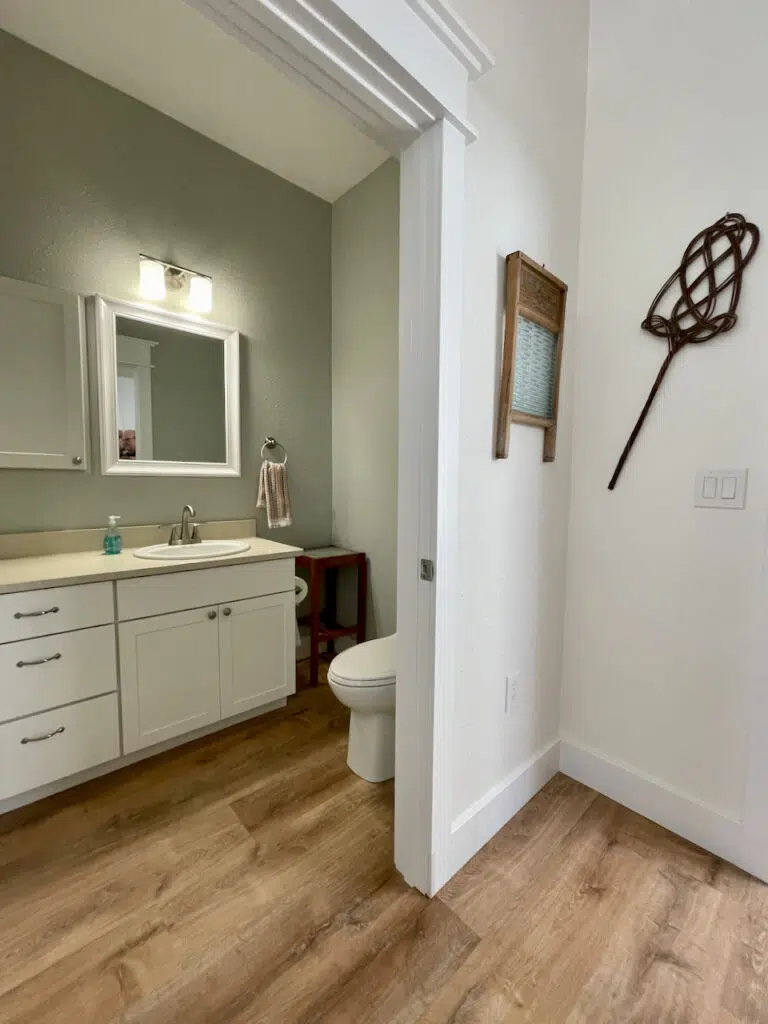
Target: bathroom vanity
(107, 659)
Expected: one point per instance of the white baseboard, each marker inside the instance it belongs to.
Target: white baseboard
(687, 817)
(472, 829)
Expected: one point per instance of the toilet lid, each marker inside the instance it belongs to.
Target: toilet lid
(368, 664)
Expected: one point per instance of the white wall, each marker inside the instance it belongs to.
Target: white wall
(662, 597)
(523, 189)
(364, 332)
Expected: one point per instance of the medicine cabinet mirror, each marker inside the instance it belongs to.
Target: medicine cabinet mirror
(43, 390)
(169, 392)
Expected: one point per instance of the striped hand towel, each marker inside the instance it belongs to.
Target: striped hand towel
(273, 494)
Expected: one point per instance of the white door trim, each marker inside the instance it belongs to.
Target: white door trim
(431, 244)
(755, 816)
(400, 70)
(387, 66)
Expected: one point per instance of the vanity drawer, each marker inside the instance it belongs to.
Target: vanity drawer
(49, 671)
(55, 610)
(142, 596)
(44, 748)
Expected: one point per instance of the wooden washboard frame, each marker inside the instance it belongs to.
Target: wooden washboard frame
(539, 297)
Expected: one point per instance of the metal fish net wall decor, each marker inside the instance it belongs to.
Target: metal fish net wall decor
(722, 250)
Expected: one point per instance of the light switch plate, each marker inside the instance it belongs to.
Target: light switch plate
(721, 488)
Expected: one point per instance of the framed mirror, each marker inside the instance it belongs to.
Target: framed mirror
(169, 392)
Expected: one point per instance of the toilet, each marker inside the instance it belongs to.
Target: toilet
(363, 679)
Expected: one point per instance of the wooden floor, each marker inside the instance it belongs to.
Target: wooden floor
(248, 878)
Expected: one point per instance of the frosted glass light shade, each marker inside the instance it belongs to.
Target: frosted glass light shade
(200, 294)
(151, 279)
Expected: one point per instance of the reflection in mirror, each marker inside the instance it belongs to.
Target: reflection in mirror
(170, 394)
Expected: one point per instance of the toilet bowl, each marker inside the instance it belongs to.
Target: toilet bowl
(363, 679)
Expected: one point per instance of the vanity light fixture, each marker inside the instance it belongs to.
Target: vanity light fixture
(158, 280)
(200, 297)
(151, 278)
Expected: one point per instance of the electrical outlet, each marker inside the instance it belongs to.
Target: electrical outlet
(510, 691)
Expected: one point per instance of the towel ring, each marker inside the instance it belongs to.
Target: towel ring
(269, 444)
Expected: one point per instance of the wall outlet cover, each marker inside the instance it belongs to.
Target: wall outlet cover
(510, 691)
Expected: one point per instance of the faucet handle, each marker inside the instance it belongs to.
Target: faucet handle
(175, 537)
(195, 535)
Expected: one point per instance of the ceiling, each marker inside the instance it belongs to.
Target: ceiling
(170, 57)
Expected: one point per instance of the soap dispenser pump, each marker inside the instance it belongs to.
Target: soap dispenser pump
(113, 542)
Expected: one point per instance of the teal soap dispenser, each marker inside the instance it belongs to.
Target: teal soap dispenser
(113, 541)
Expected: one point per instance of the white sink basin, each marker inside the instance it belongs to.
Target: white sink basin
(185, 552)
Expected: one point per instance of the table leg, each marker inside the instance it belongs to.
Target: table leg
(331, 581)
(314, 628)
(362, 597)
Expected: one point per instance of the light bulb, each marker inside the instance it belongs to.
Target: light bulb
(200, 293)
(151, 278)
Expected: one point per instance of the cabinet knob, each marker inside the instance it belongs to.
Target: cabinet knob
(227, 611)
(211, 615)
(77, 460)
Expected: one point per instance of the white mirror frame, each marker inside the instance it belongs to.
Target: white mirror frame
(105, 313)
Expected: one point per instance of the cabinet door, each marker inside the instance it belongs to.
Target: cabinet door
(258, 653)
(42, 378)
(169, 679)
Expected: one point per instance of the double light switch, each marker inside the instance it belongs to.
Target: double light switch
(721, 488)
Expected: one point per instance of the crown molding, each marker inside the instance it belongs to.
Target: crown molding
(317, 43)
(455, 35)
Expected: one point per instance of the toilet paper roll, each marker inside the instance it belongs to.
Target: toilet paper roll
(302, 589)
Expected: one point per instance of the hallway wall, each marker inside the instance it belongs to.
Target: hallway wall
(523, 191)
(664, 600)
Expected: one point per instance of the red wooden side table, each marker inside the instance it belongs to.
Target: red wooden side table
(323, 565)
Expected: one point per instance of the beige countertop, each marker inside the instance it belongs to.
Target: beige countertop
(58, 570)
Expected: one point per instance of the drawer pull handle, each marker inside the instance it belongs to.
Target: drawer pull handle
(44, 736)
(211, 615)
(36, 615)
(37, 661)
(227, 611)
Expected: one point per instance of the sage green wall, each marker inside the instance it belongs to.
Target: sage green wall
(365, 334)
(89, 178)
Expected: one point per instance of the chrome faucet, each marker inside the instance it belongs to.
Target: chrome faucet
(185, 532)
(186, 536)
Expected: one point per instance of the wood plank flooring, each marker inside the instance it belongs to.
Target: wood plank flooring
(248, 877)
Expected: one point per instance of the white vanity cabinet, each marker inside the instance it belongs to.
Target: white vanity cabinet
(194, 647)
(58, 683)
(169, 674)
(224, 655)
(44, 748)
(257, 653)
(55, 610)
(51, 671)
